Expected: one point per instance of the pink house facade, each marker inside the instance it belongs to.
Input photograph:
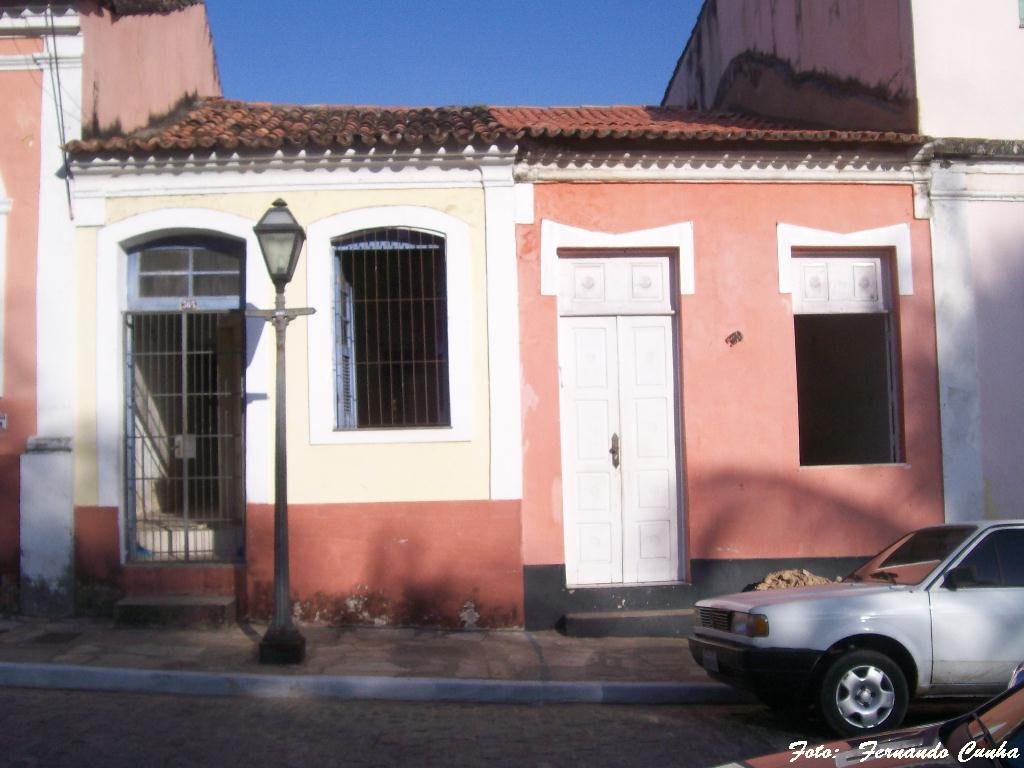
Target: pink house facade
(65, 69)
(690, 422)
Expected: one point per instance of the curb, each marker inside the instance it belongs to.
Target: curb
(69, 677)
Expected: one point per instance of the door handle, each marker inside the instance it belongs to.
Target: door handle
(614, 450)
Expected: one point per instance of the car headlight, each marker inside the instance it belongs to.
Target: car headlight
(749, 624)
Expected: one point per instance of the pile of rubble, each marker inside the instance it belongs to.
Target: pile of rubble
(791, 577)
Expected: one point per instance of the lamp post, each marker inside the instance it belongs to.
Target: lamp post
(281, 238)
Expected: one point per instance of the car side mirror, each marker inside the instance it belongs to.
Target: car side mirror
(961, 576)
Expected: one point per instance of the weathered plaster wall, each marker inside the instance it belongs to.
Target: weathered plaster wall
(135, 67)
(969, 60)
(745, 495)
(380, 532)
(19, 170)
(848, 64)
(412, 563)
(996, 232)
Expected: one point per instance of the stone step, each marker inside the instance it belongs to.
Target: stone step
(641, 623)
(176, 610)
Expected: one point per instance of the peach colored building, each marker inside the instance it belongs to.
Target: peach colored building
(728, 357)
(624, 407)
(66, 69)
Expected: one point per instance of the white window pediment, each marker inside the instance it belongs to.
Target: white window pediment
(896, 237)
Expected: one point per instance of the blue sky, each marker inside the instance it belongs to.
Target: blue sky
(418, 52)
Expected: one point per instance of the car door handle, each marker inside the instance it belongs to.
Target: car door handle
(614, 450)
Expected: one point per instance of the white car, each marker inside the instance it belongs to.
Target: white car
(940, 612)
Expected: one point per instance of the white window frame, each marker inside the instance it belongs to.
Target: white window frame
(895, 238)
(323, 429)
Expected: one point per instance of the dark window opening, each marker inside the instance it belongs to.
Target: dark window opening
(846, 389)
(391, 330)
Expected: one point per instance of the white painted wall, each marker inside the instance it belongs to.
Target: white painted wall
(977, 226)
(996, 236)
(969, 59)
(47, 470)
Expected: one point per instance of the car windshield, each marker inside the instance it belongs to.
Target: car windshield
(910, 559)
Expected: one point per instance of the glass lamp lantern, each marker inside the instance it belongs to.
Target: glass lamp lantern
(281, 239)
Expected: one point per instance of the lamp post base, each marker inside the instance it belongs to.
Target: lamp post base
(282, 646)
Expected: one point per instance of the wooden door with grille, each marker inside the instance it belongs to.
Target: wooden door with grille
(184, 435)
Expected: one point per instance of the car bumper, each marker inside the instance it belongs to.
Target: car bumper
(771, 672)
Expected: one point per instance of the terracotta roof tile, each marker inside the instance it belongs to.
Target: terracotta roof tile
(118, 7)
(223, 124)
(139, 7)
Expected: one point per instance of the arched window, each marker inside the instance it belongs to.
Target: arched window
(195, 272)
(391, 329)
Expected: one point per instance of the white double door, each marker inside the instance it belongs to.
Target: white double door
(618, 408)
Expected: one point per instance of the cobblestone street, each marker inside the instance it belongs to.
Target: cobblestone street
(58, 728)
(61, 728)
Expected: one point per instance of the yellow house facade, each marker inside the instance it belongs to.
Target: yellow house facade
(404, 437)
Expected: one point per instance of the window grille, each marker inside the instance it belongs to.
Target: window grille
(391, 330)
(184, 415)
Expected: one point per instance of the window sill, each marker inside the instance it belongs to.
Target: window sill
(424, 435)
(893, 464)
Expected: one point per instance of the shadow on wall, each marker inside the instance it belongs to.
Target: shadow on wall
(741, 510)
(387, 579)
(997, 255)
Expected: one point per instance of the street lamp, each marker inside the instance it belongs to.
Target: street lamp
(281, 239)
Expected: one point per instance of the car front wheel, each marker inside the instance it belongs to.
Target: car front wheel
(863, 692)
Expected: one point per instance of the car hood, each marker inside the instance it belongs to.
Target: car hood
(749, 601)
(896, 749)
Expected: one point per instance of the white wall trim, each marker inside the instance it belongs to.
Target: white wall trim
(524, 204)
(501, 210)
(33, 23)
(956, 337)
(753, 165)
(278, 173)
(55, 274)
(320, 295)
(554, 235)
(896, 237)
(113, 244)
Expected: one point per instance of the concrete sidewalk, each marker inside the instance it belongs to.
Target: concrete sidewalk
(354, 663)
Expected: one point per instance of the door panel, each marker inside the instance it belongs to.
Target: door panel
(976, 628)
(621, 522)
(647, 398)
(592, 491)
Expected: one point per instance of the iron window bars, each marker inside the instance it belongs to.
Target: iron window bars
(391, 330)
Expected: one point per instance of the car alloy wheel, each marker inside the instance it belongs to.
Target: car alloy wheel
(862, 692)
